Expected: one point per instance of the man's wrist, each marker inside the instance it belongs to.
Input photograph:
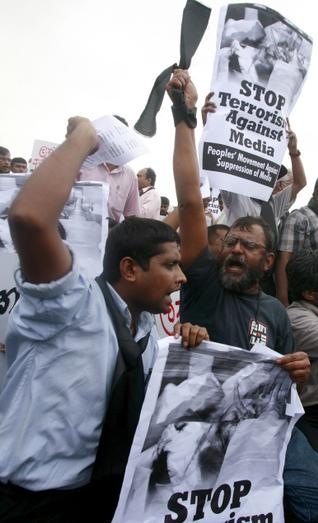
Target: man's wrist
(295, 154)
(180, 111)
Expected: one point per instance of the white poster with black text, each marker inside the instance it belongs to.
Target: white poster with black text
(211, 440)
(260, 66)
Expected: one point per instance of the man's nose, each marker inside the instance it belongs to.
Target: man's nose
(181, 277)
(237, 247)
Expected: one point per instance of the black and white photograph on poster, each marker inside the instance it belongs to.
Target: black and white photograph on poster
(261, 63)
(82, 223)
(211, 439)
(9, 188)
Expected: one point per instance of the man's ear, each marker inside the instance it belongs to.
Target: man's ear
(128, 268)
(269, 261)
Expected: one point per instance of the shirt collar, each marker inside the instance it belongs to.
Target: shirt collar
(146, 189)
(113, 171)
(146, 320)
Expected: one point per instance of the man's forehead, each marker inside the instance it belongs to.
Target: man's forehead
(252, 231)
(169, 249)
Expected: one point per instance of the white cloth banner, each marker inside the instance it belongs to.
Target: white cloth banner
(260, 66)
(211, 440)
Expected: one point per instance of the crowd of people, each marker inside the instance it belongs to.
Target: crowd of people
(80, 351)
(14, 165)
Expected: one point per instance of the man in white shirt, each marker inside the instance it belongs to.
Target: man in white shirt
(150, 200)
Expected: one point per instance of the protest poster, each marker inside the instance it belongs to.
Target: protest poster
(165, 321)
(212, 437)
(260, 67)
(119, 144)
(83, 225)
(41, 150)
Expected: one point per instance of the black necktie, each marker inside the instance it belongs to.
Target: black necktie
(127, 395)
(194, 23)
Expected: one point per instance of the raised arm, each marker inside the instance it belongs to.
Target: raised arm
(33, 216)
(208, 107)
(193, 229)
(299, 177)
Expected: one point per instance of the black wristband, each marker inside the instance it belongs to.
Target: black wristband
(182, 113)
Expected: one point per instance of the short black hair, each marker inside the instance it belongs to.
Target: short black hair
(139, 238)
(302, 273)
(246, 222)
(4, 151)
(213, 229)
(165, 200)
(111, 223)
(151, 175)
(19, 159)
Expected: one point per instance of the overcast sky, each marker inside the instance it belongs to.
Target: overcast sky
(94, 57)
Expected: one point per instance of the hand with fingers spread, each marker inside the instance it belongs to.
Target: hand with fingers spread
(297, 365)
(208, 107)
(192, 335)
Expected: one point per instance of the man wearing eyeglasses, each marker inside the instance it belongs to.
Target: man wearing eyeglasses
(224, 295)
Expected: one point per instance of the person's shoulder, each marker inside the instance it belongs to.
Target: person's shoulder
(204, 263)
(296, 215)
(127, 171)
(273, 304)
(284, 193)
(299, 309)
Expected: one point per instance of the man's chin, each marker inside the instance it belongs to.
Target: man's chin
(236, 284)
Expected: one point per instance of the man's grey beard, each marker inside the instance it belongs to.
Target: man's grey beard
(240, 283)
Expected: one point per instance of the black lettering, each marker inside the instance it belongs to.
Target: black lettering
(231, 117)
(234, 103)
(224, 98)
(5, 299)
(259, 90)
(200, 497)
(176, 507)
(270, 98)
(261, 518)
(252, 108)
(260, 113)
(245, 88)
(232, 516)
(236, 137)
(244, 105)
(281, 102)
(240, 490)
(221, 498)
